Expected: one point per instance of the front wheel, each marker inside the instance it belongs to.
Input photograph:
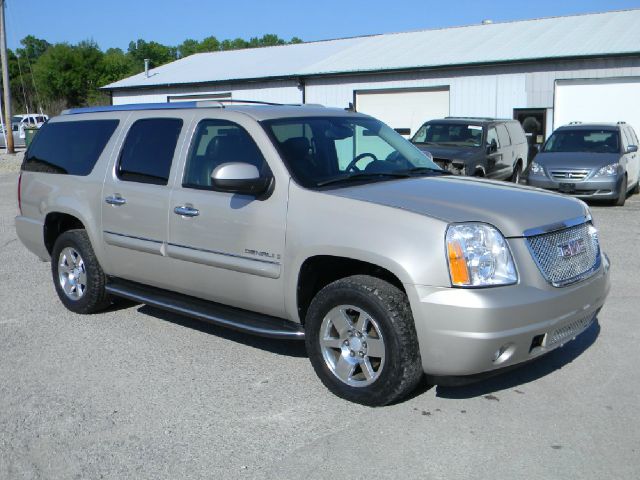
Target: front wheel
(77, 275)
(622, 193)
(362, 342)
(517, 173)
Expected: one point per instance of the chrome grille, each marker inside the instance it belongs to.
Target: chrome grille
(569, 174)
(559, 263)
(567, 332)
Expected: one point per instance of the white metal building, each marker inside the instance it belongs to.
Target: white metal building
(556, 70)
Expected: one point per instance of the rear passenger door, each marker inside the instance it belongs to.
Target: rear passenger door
(633, 159)
(504, 163)
(135, 198)
(228, 248)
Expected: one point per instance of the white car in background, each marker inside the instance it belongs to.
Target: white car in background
(19, 123)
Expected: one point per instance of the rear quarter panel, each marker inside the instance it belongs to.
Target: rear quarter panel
(79, 196)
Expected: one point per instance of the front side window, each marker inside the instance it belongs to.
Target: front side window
(455, 134)
(71, 147)
(216, 142)
(323, 150)
(148, 151)
(583, 140)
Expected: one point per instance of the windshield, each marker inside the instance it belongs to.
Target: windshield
(323, 150)
(583, 140)
(458, 134)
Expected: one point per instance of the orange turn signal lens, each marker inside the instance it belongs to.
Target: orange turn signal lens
(457, 264)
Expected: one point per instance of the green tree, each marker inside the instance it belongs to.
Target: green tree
(209, 44)
(235, 44)
(69, 74)
(116, 65)
(157, 53)
(188, 47)
(32, 48)
(268, 40)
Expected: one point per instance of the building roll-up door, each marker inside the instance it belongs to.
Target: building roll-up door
(404, 109)
(597, 100)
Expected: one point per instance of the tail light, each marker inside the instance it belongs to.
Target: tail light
(20, 193)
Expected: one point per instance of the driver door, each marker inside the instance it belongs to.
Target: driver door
(227, 247)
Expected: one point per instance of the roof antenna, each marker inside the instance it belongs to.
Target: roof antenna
(146, 67)
(350, 108)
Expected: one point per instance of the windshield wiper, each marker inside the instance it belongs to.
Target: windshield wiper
(425, 170)
(363, 176)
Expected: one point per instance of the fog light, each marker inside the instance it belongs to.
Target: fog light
(504, 353)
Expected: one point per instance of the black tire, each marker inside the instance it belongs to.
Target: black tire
(636, 189)
(517, 173)
(622, 193)
(94, 297)
(389, 308)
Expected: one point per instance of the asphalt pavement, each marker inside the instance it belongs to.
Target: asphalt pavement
(138, 393)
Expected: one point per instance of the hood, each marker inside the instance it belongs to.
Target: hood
(562, 160)
(450, 153)
(511, 208)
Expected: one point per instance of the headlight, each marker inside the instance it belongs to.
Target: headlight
(478, 256)
(607, 170)
(536, 169)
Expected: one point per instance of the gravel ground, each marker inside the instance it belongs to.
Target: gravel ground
(10, 163)
(138, 393)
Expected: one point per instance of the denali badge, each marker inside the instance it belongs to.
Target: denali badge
(572, 248)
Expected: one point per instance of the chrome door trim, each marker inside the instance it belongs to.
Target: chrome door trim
(141, 244)
(229, 261)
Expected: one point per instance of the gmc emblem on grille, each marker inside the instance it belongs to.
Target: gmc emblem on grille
(572, 248)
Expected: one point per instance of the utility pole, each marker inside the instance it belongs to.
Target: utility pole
(5, 81)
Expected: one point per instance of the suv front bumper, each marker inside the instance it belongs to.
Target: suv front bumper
(472, 331)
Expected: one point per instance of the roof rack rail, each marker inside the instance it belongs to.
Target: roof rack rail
(622, 122)
(218, 103)
(575, 123)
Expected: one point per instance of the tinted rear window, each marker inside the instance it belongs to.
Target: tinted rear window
(148, 150)
(71, 148)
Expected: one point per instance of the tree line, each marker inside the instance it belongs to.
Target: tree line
(53, 77)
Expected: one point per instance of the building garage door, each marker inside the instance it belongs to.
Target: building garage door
(601, 100)
(404, 109)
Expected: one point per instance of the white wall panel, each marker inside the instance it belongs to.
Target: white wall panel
(404, 108)
(598, 100)
(277, 92)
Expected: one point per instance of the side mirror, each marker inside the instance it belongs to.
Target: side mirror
(239, 177)
(632, 149)
(492, 147)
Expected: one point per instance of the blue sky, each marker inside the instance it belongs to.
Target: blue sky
(116, 22)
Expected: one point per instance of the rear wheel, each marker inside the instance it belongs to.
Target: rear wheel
(622, 193)
(77, 275)
(361, 340)
(517, 173)
(636, 189)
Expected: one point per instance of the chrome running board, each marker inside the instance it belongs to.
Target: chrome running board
(215, 313)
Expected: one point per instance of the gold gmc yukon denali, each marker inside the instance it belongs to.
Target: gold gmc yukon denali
(310, 223)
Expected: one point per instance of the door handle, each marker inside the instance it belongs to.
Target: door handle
(115, 200)
(186, 211)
